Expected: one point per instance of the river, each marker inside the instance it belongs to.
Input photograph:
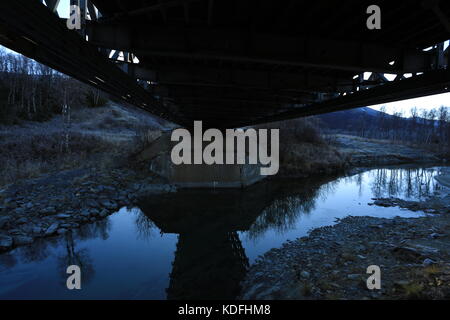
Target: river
(198, 244)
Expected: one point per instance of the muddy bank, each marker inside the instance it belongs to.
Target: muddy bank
(331, 263)
(54, 204)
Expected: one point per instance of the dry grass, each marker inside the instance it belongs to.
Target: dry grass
(99, 138)
(415, 145)
(25, 156)
(307, 158)
(304, 150)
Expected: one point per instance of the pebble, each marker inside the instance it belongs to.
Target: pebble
(428, 262)
(4, 221)
(37, 230)
(63, 216)
(6, 242)
(104, 213)
(85, 213)
(52, 229)
(109, 204)
(48, 211)
(305, 274)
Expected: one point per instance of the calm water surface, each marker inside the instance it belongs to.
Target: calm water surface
(195, 243)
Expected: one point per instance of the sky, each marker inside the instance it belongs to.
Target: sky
(404, 106)
(63, 8)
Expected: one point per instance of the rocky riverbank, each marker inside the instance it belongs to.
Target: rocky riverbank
(331, 263)
(56, 203)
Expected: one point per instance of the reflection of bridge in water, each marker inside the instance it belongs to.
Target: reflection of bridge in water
(210, 261)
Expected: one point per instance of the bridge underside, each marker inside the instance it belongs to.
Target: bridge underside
(235, 63)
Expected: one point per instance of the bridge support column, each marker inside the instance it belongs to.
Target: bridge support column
(158, 157)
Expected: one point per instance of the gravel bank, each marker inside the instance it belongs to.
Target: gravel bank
(54, 204)
(331, 263)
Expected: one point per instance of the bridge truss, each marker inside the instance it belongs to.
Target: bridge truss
(235, 63)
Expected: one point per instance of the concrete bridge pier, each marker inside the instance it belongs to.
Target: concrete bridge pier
(158, 157)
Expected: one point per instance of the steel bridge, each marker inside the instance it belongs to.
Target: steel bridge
(234, 63)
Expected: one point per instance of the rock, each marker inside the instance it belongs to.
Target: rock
(104, 213)
(305, 274)
(63, 216)
(15, 231)
(37, 230)
(22, 240)
(4, 221)
(10, 203)
(20, 211)
(157, 188)
(428, 262)
(6, 242)
(85, 213)
(52, 229)
(22, 220)
(92, 203)
(108, 204)
(48, 211)
(62, 231)
(425, 250)
(407, 253)
(94, 212)
(27, 228)
(347, 256)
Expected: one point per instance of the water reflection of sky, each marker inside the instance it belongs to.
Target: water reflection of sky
(128, 256)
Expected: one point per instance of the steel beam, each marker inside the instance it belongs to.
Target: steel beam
(244, 46)
(434, 82)
(237, 77)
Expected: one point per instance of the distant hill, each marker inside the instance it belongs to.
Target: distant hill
(371, 123)
(351, 120)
